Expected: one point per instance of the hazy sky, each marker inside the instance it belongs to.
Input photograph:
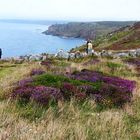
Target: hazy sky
(71, 9)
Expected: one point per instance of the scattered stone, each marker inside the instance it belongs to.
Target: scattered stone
(132, 53)
(121, 55)
(62, 54)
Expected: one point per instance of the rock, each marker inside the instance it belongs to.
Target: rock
(44, 57)
(132, 53)
(138, 52)
(121, 55)
(78, 54)
(35, 58)
(62, 54)
(105, 53)
(72, 55)
(96, 54)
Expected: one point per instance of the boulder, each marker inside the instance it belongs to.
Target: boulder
(105, 53)
(62, 54)
(121, 55)
(138, 52)
(78, 54)
(44, 57)
(71, 55)
(35, 58)
(132, 53)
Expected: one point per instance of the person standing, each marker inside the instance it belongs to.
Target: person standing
(0, 53)
(89, 48)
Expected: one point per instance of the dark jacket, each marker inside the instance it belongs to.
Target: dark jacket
(0, 53)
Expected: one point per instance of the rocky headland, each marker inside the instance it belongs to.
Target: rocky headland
(86, 30)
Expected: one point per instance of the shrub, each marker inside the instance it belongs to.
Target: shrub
(92, 62)
(68, 90)
(87, 75)
(25, 82)
(106, 90)
(133, 61)
(39, 94)
(47, 63)
(37, 72)
(113, 90)
(23, 93)
(43, 95)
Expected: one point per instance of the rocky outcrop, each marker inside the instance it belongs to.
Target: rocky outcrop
(86, 30)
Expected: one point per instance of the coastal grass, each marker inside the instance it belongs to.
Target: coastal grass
(68, 120)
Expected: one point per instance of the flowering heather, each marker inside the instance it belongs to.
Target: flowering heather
(47, 63)
(87, 75)
(25, 82)
(113, 89)
(124, 84)
(68, 90)
(102, 88)
(133, 61)
(23, 93)
(40, 94)
(112, 94)
(80, 96)
(37, 72)
(91, 62)
(43, 95)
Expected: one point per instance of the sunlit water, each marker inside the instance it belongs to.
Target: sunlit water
(20, 39)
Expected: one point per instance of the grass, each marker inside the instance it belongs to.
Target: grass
(58, 80)
(67, 120)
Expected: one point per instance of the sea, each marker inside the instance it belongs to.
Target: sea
(24, 38)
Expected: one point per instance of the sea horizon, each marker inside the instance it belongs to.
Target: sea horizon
(18, 38)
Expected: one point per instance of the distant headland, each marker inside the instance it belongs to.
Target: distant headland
(86, 30)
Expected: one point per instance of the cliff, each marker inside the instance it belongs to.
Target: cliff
(86, 30)
(124, 38)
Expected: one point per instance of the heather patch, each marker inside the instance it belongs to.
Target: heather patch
(48, 63)
(113, 90)
(37, 72)
(133, 61)
(69, 90)
(104, 89)
(39, 94)
(92, 62)
(46, 87)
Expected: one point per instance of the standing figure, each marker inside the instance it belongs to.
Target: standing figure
(89, 48)
(0, 53)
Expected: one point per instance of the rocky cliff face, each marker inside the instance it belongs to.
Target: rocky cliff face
(86, 30)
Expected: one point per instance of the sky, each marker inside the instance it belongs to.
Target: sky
(87, 10)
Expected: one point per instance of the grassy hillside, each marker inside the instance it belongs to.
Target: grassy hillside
(26, 113)
(86, 30)
(125, 38)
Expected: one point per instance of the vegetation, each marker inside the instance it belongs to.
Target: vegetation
(55, 101)
(124, 38)
(86, 30)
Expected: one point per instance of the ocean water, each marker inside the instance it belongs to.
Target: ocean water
(18, 39)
